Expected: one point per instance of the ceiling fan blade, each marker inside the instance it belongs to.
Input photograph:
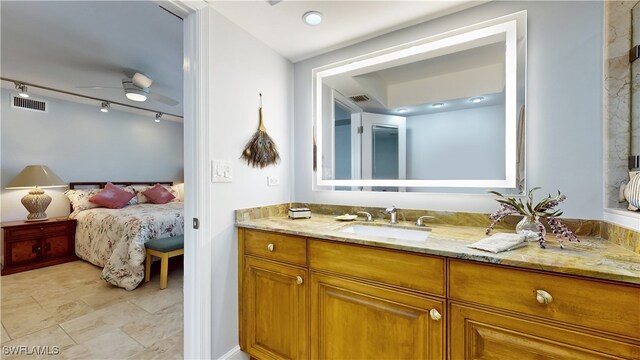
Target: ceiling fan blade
(141, 80)
(163, 99)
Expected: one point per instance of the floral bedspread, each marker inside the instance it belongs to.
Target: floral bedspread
(114, 238)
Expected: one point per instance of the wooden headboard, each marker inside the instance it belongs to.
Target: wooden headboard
(102, 184)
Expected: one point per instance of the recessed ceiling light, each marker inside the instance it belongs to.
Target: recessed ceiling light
(402, 110)
(437, 105)
(105, 107)
(476, 99)
(312, 18)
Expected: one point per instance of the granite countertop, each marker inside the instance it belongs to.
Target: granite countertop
(591, 257)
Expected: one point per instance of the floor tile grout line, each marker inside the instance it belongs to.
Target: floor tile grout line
(65, 331)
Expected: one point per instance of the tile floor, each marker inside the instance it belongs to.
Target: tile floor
(67, 306)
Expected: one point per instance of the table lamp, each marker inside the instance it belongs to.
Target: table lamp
(36, 177)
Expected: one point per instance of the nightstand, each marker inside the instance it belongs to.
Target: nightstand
(35, 244)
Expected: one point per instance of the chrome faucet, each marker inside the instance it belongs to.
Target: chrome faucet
(419, 222)
(368, 215)
(393, 213)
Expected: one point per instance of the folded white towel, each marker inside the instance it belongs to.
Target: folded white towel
(500, 242)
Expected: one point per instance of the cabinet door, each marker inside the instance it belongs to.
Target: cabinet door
(24, 251)
(483, 334)
(354, 320)
(275, 310)
(57, 246)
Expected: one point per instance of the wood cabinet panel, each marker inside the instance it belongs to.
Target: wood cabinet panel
(275, 310)
(279, 247)
(352, 320)
(25, 251)
(484, 334)
(406, 270)
(594, 304)
(56, 246)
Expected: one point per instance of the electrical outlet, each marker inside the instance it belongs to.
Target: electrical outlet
(273, 181)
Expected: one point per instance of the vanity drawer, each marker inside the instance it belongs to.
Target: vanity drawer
(594, 304)
(274, 246)
(412, 271)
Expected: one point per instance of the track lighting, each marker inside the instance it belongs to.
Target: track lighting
(22, 90)
(105, 105)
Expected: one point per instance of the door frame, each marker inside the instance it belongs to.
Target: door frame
(198, 269)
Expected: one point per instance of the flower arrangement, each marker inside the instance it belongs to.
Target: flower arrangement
(545, 209)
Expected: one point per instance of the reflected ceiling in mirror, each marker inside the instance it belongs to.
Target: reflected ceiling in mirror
(444, 113)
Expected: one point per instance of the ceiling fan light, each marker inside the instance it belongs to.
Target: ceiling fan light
(133, 92)
(135, 96)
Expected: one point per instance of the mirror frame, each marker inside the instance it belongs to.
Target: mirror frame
(508, 25)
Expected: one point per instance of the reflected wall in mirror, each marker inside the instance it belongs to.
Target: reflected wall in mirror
(443, 114)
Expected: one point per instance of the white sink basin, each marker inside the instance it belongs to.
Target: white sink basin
(387, 231)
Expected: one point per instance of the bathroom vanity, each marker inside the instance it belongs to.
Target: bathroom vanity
(309, 290)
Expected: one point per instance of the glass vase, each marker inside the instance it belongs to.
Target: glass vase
(527, 227)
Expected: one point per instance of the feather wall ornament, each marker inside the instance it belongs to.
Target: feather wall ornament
(261, 150)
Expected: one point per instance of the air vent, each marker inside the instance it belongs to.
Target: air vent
(28, 104)
(359, 98)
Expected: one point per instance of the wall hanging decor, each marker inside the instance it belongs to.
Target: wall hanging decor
(261, 150)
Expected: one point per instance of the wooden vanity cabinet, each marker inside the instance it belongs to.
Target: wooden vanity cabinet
(273, 295)
(310, 298)
(359, 303)
(498, 312)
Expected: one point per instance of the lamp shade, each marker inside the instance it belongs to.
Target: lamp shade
(36, 176)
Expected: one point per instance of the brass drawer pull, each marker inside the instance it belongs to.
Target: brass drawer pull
(435, 314)
(299, 280)
(543, 297)
(270, 247)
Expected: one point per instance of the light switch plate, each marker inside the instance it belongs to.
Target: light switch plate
(221, 171)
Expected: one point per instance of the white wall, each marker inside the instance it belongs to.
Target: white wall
(478, 140)
(564, 107)
(242, 67)
(80, 143)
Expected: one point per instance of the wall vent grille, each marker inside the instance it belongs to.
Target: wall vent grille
(28, 104)
(359, 98)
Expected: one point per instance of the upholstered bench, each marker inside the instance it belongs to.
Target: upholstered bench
(164, 248)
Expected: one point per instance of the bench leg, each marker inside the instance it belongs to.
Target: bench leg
(164, 270)
(147, 269)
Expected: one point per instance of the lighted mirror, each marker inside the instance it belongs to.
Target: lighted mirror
(445, 113)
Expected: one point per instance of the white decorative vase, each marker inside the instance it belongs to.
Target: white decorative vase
(631, 191)
(527, 227)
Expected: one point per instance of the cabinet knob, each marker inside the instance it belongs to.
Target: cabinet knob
(543, 297)
(299, 280)
(435, 314)
(41, 229)
(270, 247)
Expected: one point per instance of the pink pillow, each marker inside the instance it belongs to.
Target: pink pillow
(112, 197)
(158, 194)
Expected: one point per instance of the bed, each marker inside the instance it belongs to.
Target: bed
(114, 238)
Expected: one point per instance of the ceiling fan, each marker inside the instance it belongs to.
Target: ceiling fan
(136, 88)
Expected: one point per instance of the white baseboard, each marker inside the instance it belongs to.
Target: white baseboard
(235, 354)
